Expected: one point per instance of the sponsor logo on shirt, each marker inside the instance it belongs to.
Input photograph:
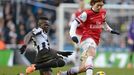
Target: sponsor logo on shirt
(95, 26)
(98, 25)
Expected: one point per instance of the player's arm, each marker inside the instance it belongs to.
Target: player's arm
(72, 18)
(27, 40)
(109, 29)
(74, 24)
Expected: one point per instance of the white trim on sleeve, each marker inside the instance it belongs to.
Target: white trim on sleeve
(83, 17)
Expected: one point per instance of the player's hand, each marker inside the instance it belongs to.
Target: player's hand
(66, 54)
(22, 49)
(115, 32)
(75, 39)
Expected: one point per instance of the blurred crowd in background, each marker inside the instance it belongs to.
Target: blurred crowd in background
(17, 17)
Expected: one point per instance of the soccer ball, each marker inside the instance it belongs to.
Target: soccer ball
(100, 73)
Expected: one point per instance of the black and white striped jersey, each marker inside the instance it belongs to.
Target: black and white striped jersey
(40, 39)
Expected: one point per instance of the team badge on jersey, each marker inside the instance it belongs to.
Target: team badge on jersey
(83, 17)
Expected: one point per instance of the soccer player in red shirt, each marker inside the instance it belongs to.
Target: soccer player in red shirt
(76, 58)
(93, 21)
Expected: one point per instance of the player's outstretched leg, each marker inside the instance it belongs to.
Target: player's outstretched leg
(50, 64)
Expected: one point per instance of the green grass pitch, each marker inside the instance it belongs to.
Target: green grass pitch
(109, 71)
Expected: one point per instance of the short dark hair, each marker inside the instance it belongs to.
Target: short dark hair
(43, 18)
(95, 1)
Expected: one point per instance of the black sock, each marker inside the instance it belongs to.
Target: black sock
(51, 64)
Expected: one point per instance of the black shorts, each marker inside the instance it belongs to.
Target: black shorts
(44, 56)
(45, 70)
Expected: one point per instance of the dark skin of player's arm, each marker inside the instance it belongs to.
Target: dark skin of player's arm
(27, 40)
(28, 37)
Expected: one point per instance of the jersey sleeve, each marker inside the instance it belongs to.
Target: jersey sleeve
(82, 17)
(106, 27)
(36, 31)
(73, 26)
(72, 18)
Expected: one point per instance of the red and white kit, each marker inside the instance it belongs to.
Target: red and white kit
(93, 23)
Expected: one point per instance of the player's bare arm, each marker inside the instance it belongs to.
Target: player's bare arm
(28, 37)
(27, 40)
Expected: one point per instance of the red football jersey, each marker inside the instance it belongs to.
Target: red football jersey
(92, 24)
(79, 29)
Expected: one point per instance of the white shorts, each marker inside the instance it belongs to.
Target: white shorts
(89, 42)
(85, 45)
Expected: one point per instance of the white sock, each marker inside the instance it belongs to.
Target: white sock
(73, 70)
(89, 65)
(89, 72)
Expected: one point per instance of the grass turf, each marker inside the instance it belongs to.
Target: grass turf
(109, 71)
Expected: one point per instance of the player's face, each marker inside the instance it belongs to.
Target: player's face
(97, 6)
(44, 24)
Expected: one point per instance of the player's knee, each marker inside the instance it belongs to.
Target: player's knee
(61, 62)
